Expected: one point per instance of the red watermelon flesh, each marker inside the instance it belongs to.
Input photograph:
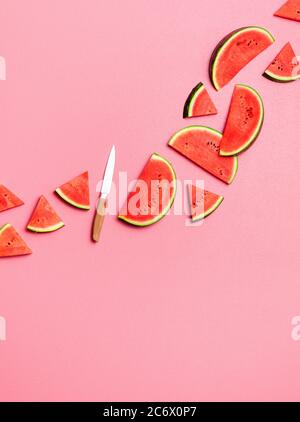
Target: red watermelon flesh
(11, 243)
(235, 51)
(76, 192)
(202, 202)
(285, 67)
(201, 145)
(153, 194)
(44, 219)
(290, 10)
(199, 103)
(244, 121)
(8, 199)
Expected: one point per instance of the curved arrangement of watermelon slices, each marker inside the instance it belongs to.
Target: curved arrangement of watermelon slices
(202, 202)
(199, 103)
(153, 195)
(235, 51)
(8, 199)
(285, 67)
(44, 219)
(244, 121)
(11, 243)
(201, 145)
(76, 192)
(290, 10)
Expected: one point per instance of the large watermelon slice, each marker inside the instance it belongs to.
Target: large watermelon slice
(8, 199)
(202, 202)
(285, 67)
(235, 51)
(153, 195)
(44, 219)
(76, 192)
(199, 103)
(11, 243)
(290, 10)
(244, 121)
(201, 145)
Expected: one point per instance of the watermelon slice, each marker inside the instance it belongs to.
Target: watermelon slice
(235, 51)
(153, 195)
(199, 103)
(285, 67)
(202, 202)
(244, 121)
(11, 243)
(44, 219)
(290, 10)
(201, 145)
(76, 192)
(8, 199)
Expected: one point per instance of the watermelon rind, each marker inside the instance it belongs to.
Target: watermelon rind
(188, 107)
(209, 211)
(157, 218)
(224, 43)
(255, 135)
(46, 229)
(209, 129)
(281, 79)
(69, 201)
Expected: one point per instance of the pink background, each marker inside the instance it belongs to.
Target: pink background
(168, 312)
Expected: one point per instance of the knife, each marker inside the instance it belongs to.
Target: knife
(105, 189)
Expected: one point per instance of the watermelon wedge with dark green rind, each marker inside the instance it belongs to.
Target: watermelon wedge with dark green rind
(8, 199)
(44, 219)
(285, 67)
(244, 121)
(202, 202)
(235, 51)
(76, 192)
(290, 10)
(199, 103)
(201, 145)
(11, 243)
(158, 179)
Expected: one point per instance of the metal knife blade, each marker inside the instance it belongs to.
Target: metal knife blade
(108, 175)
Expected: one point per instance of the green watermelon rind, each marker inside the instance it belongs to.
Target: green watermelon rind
(188, 106)
(209, 211)
(224, 43)
(209, 129)
(60, 193)
(4, 227)
(255, 135)
(166, 209)
(280, 79)
(49, 229)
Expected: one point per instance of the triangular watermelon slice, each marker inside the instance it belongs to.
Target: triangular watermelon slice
(44, 219)
(285, 67)
(11, 243)
(76, 192)
(199, 103)
(8, 199)
(290, 10)
(202, 202)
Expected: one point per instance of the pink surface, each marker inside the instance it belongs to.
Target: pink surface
(168, 312)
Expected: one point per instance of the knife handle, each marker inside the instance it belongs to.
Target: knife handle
(99, 219)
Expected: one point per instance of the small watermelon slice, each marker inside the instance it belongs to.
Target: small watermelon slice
(201, 145)
(199, 103)
(285, 67)
(76, 192)
(8, 199)
(290, 10)
(244, 121)
(235, 51)
(202, 202)
(44, 219)
(11, 243)
(153, 195)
